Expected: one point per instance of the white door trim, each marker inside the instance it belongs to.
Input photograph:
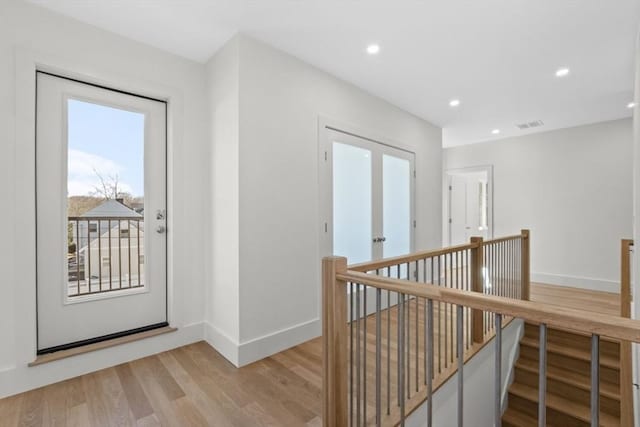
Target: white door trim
(446, 206)
(27, 62)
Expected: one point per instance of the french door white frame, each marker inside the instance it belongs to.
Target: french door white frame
(325, 127)
(446, 206)
(27, 62)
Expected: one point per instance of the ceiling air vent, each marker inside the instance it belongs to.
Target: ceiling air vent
(527, 125)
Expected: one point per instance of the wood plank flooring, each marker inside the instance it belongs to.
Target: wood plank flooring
(195, 386)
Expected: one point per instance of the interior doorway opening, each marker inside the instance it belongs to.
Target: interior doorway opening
(468, 204)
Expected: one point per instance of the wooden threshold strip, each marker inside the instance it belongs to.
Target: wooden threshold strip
(63, 354)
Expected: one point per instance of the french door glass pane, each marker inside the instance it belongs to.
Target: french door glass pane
(352, 212)
(396, 209)
(105, 198)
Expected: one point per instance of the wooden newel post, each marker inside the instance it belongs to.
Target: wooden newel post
(334, 343)
(525, 270)
(477, 285)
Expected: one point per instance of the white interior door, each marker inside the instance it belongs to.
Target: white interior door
(372, 198)
(469, 204)
(101, 213)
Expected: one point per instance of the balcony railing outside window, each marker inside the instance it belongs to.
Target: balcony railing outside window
(104, 254)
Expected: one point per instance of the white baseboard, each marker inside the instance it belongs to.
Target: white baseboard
(602, 285)
(259, 348)
(22, 378)
(222, 343)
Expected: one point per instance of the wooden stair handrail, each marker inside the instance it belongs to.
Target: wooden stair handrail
(415, 256)
(561, 317)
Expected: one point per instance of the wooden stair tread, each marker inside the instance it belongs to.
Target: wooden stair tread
(517, 418)
(569, 377)
(571, 331)
(559, 403)
(605, 360)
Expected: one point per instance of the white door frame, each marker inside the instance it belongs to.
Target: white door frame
(27, 62)
(147, 304)
(325, 174)
(446, 206)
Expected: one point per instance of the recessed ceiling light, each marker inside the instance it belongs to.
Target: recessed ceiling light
(454, 102)
(562, 72)
(373, 49)
(631, 105)
(495, 131)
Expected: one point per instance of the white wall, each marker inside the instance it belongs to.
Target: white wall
(244, 190)
(271, 181)
(572, 188)
(478, 386)
(281, 100)
(30, 31)
(222, 297)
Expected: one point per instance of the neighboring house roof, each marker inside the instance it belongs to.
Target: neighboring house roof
(111, 208)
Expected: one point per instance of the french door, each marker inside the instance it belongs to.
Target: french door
(372, 187)
(101, 213)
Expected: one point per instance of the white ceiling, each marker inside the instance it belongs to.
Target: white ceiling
(497, 56)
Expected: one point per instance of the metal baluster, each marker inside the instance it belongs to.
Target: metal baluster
(78, 253)
(460, 353)
(486, 263)
(378, 358)
(446, 325)
(351, 361)
(595, 380)
(400, 326)
(417, 330)
(429, 362)
(513, 268)
(498, 372)
(119, 254)
(401, 360)
(138, 231)
(408, 338)
(358, 354)
(129, 248)
(542, 377)
(388, 315)
(503, 260)
(451, 314)
(439, 320)
(99, 256)
(110, 259)
(88, 273)
(364, 356)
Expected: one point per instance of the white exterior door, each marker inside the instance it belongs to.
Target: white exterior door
(372, 187)
(101, 213)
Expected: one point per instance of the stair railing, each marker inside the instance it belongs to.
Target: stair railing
(626, 369)
(383, 353)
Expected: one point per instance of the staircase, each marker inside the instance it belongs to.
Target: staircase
(568, 380)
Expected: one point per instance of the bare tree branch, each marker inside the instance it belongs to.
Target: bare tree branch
(108, 187)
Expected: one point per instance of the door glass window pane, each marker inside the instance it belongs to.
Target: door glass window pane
(396, 209)
(105, 198)
(352, 213)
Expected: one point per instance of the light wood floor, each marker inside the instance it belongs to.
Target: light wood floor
(580, 299)
(194, 385)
